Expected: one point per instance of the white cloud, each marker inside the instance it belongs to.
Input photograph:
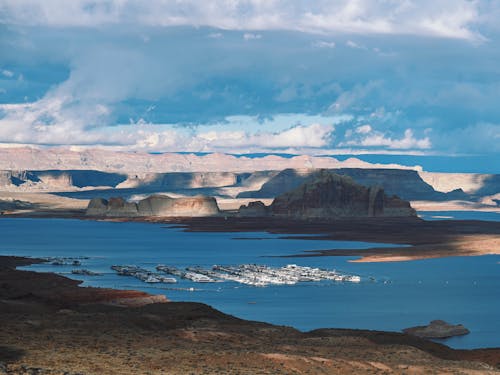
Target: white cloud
(377, 139)
(352, 44)
(215, 35)
(456, 19)
(298, 137)
(363, 129)
(7, 73)
(251, 36)
(55, 120)
(323, 44)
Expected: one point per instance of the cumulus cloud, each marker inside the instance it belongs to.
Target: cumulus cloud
(367, 137)
(323, 44)
(251, 36)
(364, 129)
(310, 136)
(7, 73)
(354, 45)
(443, 18)
(49, 121)
(88, 67)
(215, 35)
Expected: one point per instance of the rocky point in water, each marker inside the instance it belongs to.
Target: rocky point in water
(437, 329)
(155, 205)
(332, 196)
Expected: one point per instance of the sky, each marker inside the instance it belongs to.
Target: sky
(248, 76)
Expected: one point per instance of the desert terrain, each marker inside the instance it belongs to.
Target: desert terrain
(50, 325)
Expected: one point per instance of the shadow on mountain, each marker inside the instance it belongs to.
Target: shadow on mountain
(407, 184)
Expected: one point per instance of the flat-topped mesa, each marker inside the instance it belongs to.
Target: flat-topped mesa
(332, 196)
(155, 205)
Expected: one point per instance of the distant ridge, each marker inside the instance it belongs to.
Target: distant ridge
(28, 158)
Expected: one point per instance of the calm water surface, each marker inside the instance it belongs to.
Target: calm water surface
(459, 289)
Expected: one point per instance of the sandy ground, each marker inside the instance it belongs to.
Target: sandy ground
(45, 201)
(453, 206)
(54, 334)
(235, 203)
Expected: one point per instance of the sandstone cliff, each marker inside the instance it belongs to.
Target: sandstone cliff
(330, 196)
(31, 158)
(254, 209)
(155, 205)
(404, 183)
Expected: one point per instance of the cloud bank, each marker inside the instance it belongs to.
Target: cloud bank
(440, 18)
(252, 76)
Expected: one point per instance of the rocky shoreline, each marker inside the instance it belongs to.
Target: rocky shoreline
(57, 333)
(419, 239)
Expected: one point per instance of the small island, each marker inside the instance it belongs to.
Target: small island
(437, 329)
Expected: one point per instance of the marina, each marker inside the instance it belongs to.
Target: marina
(248, 274)
(143, 274)
(452, 289)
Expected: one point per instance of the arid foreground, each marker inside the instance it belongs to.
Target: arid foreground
(50, 325)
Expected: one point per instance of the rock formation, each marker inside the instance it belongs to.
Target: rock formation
(254, 209)
(330, 196)
(437, 329)
(155, 205)
(404, 183)
(31, 158)
(13, 205)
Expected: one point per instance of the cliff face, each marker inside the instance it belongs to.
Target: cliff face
(27, 158)
(330, 195)
(404, 183)
(155, 205)
(60, 179)
(158, 205)
(180, 180)
(253, 209)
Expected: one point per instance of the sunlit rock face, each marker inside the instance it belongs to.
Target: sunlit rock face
(158, 205)
(331, 195)
(155, 205)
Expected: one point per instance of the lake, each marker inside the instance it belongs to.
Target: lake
(457, 289)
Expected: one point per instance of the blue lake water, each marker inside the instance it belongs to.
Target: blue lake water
(458, 289)
(459, 215)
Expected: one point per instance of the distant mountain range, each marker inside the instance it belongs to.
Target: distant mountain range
(61, 169)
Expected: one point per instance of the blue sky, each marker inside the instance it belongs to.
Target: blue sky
(322, 77)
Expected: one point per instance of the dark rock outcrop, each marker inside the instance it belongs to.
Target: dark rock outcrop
(330, 196)
(437, 329)
(113, 207)
(14, 204)
(155, 205)
(407, 184)
(254, 209)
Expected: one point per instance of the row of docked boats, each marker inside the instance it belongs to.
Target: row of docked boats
(248, 274)
(65, 261)
(261, 275)
(143, 274)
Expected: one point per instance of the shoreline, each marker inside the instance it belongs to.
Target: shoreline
(192, 333)
(420, 239)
